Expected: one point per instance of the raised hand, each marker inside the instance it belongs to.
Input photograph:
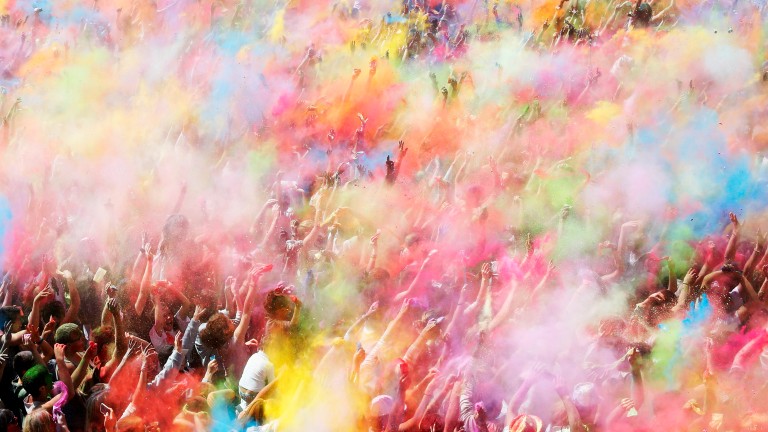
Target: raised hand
(374, 307)
(112, 306)
(91, 351)
(359, 357)
(49, 328)
(431, 253)
(48, 291)
(58, 352)
(690, 276)
(734, 219)
(3, 357)
(485, 271)
(260, 269)
(213, 367)
(375, 238)
(8, 333)
(230, 284)
(133, 348)
(199, 312)
(177, 342)
(149, 356)
(34, 335)
(252, 344)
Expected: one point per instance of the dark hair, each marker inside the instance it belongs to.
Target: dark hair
(217, 332)
(274, 302)
(54, 308)
(22, 362)
(643, 14)
(37, 376)
(6, 418)
(8, 314)
(94, 420)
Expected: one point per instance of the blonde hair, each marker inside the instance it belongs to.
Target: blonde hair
(39, 420)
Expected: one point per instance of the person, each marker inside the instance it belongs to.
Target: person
(258, 373)
(39, 385)
(218, 339)
(39, 421)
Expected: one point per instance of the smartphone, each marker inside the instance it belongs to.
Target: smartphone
(104, 409)
(189, 393)
(99, 275)
(27, 338)
(439, 320)
(495, 268)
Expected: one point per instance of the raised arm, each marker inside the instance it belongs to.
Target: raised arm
(414, 351)
(505, 311)
(296, 311)
(34, 315)
(374, 252)
(757, 253)
(730, 250)
(272, 227)
(574, 419)
(686, 292)
(360, 321)
(146, 285)
(672, 283)
(747, 286)
(8, 287)
(485, 282)
(74, 298)
(148, 356)
(81, 371)
(61, 368)
(250, 299)
(408, 292)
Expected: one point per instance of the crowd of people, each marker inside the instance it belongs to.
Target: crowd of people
(470, 266)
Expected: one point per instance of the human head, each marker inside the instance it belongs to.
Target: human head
(12, 314)
(167, 317)
(381, 407)
(586, 400)
(94, 419)
(70, 335)
(643, 14)
(39, 420)
(8, 421)
(278, 306)
(175, 230)
(22, 362)
(53, 309)
(103, 336)
(217, 332)
(38, 382)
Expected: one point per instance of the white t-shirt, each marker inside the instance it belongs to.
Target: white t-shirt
(163, 338)
(258, 372)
